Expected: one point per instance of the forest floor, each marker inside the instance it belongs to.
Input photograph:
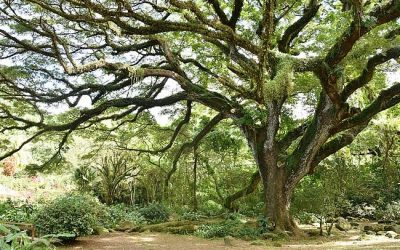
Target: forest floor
(156, 241)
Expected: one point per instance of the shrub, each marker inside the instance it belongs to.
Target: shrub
(391, 211)
(12, 211)
(246, 233)
(9, 166)
(307, 218)
(210, 231)
(233, 216)
(122, 213)
(73, 213)
(191, 216)
(155, 213)
(216, 230)
(211, 208)
(363, 210)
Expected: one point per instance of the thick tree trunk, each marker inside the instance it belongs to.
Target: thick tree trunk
(274, 178)
(277, 200)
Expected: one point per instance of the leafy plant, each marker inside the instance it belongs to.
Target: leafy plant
(155, 213)
(122, 213)
(84, 177)
(192, 216)
(73, 213)
(390, 212)
(246, 233)
(12, 211)
(263, 224)
(216, 230)
(210, 231)
(12, 238)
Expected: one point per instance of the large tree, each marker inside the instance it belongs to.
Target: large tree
(250, 61)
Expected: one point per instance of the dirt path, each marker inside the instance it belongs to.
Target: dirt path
(156, 241)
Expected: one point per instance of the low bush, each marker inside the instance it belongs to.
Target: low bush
(233, 216)
(13, 211)
(210, 231)
(73, 214)
(391, 212)
(122, 213)
(307, 218)
(246, 233)
(211, 208)
(155, 213)
(222, 229)
(191, 216)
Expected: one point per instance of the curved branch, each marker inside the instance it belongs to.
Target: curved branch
(357, 29)
(250, 188)
(387, 98)
(194, 143)
(178, 128)
(368, 71)
(291, 136)
(335, 145)
(294, 30)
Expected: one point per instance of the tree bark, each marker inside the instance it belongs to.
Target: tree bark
(195, 204)
(274, 178)
(277, 200)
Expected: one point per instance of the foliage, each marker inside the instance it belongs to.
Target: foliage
(191, 216)
(210, 231)
(12, 238)
(391, 212)
(123, 213)
(16, 211)
(73, 213)
(233, 227)
(106, 175)
(84, 178)
(112, 170)
(40, 187)
(228, 58)
(155, 213)
(211, 207)
(9, 166)
(263, 224)
(306, 218)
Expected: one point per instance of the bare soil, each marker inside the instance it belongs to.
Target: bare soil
(156, 241)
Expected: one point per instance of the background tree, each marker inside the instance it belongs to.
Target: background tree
(248, 61)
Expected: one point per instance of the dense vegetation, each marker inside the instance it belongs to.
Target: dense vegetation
(213, 118)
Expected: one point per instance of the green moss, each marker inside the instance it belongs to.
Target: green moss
(136, 74)
(282, 83)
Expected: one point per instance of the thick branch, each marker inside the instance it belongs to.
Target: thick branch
(368, 71)
(345, 43)
(250, 188)
(335, 145)
(387, 98)
(293, 30)
(237, 9)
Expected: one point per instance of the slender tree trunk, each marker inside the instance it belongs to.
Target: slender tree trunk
(195, 204)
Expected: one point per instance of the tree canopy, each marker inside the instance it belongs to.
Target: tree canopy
(248, 62)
